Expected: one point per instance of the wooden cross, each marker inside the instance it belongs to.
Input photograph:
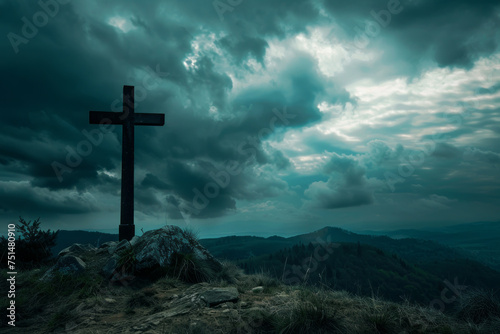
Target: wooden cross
(128, 119)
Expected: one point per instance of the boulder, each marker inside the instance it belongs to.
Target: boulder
(155, 249)
(66, 265)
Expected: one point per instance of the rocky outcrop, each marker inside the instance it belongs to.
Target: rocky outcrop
(154, 252)
(150, 255)
(156, 249)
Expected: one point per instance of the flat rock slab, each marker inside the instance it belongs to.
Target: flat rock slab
(216, 296)
(196, 297)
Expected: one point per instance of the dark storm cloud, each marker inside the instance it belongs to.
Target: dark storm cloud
(18, 197)
(439, 175)
(461, 173)
(437, 202)
(207, 78)
(242, 47)
(81, 60)
(257, 112)
(189, 182)
(346, 187)
(54, 80)
(455, 33)
(279, 160)
(270, 17)
(79, 63)
(32, 155)
(488, 90)
(474, 154)
(297, 89)
(444, 150)
(181, 57)
(151, 181)
(205, 190)
(147, 202)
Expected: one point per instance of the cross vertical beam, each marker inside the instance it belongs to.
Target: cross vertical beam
(128, 119)
(127, 227)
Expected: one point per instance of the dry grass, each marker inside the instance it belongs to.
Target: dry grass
(278, 309)
(478, 306)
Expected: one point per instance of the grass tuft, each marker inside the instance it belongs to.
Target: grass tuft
(191, 234)
(59, 319)
(382, 321)
(478, 306)
(310, 314)
(188, 268)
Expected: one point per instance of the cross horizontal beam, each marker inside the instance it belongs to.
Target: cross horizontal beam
(96, 117)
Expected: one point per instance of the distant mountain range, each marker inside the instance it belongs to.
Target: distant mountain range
(359, 263)
(414, 264)
(481, 240)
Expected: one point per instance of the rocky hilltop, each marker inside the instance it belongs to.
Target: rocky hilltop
(165, 281)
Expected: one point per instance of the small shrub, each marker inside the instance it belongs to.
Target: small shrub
(34, 248)
(478, 306)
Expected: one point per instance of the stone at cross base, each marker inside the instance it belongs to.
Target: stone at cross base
(128, 119)
(154, 252)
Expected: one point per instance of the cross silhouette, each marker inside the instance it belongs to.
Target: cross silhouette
(128, 119)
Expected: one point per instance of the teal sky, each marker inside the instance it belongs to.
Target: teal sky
(281, 117)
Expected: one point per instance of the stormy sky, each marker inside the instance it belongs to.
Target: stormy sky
(281, 117)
